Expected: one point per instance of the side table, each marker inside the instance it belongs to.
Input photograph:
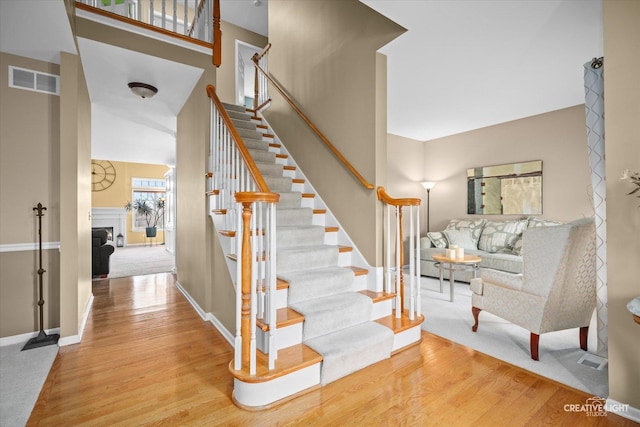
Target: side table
(469, 262)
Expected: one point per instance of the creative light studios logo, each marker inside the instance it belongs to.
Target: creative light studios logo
(595, 407)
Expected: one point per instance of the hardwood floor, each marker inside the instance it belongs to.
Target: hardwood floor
(147, 358)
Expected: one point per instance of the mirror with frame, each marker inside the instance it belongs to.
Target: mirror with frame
(509, 189)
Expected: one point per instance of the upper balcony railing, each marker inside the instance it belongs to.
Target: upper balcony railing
(197, 21)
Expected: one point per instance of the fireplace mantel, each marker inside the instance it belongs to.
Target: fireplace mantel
(111, 217)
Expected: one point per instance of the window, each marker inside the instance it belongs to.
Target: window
(151, 190)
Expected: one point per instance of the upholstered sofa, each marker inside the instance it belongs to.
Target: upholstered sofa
(101, 251)
(498, 243)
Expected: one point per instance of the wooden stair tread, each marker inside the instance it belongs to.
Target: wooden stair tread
(289, 168)
(208, 175)
(308, 195)
(358, 271)
(319, 211)
(282, 156)
(401, 324)
(284, 317)
(297, 180)
(331, 229)
(212, 192)
(268, 135)
(343, 249)
(378, 296)
(274, 145)
(262, 126)
(289, 360)
(227, 233)
(219, 211)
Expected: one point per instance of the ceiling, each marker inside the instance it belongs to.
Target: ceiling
(462, 65)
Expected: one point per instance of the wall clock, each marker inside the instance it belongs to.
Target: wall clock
(103, 174)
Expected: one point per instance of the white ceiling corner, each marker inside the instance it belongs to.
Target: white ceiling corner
(42, 35)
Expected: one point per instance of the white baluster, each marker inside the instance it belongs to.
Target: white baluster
(412, 278)
(417, 261)
(271, 233)
(398, 266)
(175, 16)
(163, 19)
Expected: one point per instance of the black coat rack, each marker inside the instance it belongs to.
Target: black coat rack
(42, 339)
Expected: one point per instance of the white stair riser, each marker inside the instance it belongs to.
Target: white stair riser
(381, 309)
(285, 337)
(265, 393)
(406, 338)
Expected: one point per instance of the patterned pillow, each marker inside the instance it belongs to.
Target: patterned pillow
(501, 236)
(533, 222)
(539, 222)
(438, 239)
(462, 238)
(475, 226)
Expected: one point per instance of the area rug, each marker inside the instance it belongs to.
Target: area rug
(140, 260)
(559, 351)
(22, 375)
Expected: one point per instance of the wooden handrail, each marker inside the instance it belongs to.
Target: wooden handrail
(251, 165)
(384, 197)
(258, 56)
(320, 135)
(250, 197)
(146, 26)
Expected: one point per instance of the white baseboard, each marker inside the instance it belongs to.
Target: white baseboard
(23, 338)
(623, 410)
(207, 317)
(76, 339)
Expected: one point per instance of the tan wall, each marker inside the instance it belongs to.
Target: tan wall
(226, 75)
(29, 170)
(557, 138)
(324, 54)
(622, 110)
(75, 195)
(120, 192)
(193, 243)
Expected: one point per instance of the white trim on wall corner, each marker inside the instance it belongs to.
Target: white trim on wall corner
(624, 410)
(207, 317)
(23, 338)
(76, 339)
(21, 247)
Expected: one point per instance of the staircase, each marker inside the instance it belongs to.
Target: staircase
(329, 321)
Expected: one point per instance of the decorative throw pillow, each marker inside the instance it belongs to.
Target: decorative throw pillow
(475, 226)
(501, 236)
(539, 222)
(438, 239)
(461, 238)
(531, 223)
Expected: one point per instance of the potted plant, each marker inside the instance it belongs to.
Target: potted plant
(151, 211)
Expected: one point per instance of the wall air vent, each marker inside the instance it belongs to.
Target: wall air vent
(21, 78)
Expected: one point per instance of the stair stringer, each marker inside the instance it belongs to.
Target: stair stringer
(374, 278)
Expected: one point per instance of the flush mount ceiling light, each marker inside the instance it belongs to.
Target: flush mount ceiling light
(143, 90)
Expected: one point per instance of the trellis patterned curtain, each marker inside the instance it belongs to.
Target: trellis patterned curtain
(594, 108)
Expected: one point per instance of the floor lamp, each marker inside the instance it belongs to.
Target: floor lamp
(428, 185)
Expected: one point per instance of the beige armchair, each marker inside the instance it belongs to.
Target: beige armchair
(557, 289)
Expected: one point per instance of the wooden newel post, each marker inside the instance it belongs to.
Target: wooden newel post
(245, 330)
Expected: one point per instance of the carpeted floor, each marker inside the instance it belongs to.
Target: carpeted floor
(140, 260)
(22, 374)
(559, 351)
